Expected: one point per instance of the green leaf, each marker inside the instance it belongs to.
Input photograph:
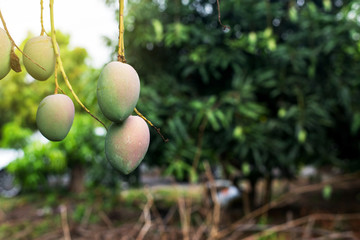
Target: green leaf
(327, 192)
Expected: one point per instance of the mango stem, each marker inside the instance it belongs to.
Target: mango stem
(152, 125)
(61, 67)
(14, 44)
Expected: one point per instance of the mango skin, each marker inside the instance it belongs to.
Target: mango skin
(40, 50)
(5, 50)
(55, 116)
(127, 143)
(118, 91)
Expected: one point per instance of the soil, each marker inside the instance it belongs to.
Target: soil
(340, 214)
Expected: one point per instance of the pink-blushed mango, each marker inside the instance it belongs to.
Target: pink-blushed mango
(118, 91)
(40, 50)
(5, 50)
(127, 143)
(55, 116)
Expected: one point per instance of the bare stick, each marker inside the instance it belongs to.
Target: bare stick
(106, 219)
(287, 197)
(185, 225)
(152, 125)
(42, 17)
(303, 220)
(64, 222)
(159, 222)
(147, 216)
(216, 212)
(219, 16)
(121, 50)
(61, 67)
(338, 235)
(57, 87)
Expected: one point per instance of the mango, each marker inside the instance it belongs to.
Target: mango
(5, 50)
(118, 91)
(55, 116)
(127, 143)
(41, 51)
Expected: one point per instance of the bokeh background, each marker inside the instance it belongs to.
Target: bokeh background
(263, 118)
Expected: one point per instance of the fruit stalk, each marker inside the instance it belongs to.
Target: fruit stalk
(42, 17)
(121, 50)
(121, 58)
(57, 87)
(14, 44)
(152, 125)
(61, 67)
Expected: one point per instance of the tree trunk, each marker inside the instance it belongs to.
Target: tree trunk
(267, 190)
(77, 179)
(252, 193)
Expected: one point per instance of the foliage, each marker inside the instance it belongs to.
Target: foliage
(14, 136)
(270, 93)
(83, 146)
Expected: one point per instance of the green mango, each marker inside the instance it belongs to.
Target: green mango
(127, 143)
(5, 50)
(55, 116)
(40, 50)
(118, 91)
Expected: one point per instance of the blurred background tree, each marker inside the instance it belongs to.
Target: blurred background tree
(276, 91)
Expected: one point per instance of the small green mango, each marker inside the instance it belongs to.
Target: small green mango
(55, 116)
(127, 143)
(41, 51)
(118, 91)
(5, 50)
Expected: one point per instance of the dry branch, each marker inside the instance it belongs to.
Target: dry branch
(301, 221)
(64, 222)
(185, 225)
(146, 215)
(289, 197)
(216, 211)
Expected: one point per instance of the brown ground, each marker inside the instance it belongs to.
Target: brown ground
(301, 214)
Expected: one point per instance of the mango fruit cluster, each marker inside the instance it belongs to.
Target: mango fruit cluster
(55, 114)
(128, 137)
(118, 91)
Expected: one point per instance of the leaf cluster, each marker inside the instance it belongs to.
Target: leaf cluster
(276, 91)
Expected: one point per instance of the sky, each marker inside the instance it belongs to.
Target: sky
(87, 22)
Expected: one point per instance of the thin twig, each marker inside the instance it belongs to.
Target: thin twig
(146, 215)
(22, 234)
(42, 17)
(61, 67)
(106, 219)
(121, 50)
(216, 211)
(185, 225)
(286, 198)
(219, 16)
(200, 232)
(86, 217)
(170, 214)
(303, 220)
(159, 221)
(152, 125)
(64, 222)
(14, 44)
(308, 229)
(338, 235)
